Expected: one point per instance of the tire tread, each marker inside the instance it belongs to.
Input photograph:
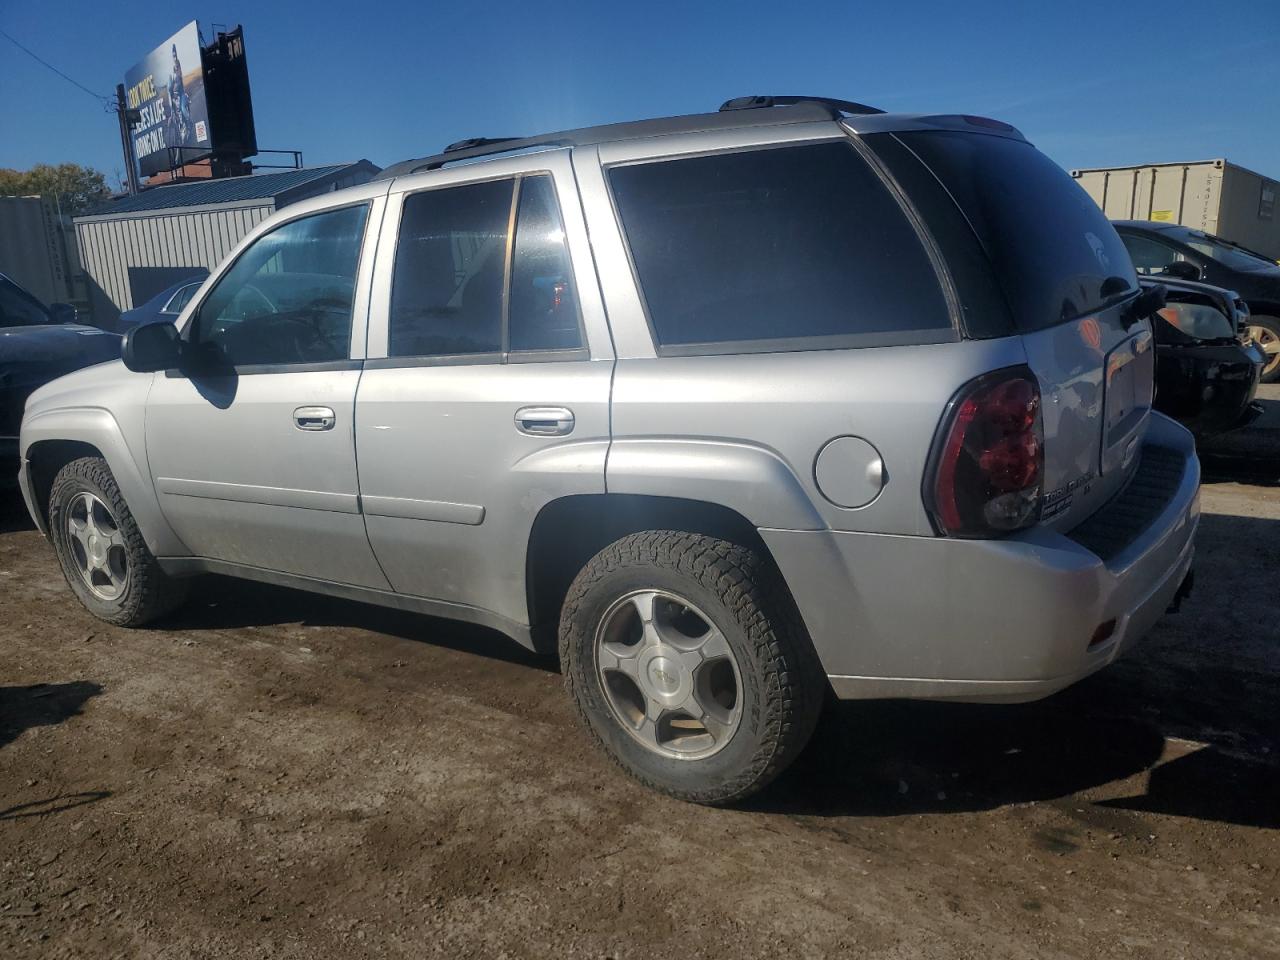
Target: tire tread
(151, 593)
(755, 595)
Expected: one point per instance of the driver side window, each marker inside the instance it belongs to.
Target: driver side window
(288, 297)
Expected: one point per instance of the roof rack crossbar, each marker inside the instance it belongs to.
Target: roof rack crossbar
(836, 106)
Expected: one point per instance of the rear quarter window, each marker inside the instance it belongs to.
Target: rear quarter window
(784, 248)
(1053, 251)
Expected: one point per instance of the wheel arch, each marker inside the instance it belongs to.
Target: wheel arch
(42, 461)
(52, 440)
(569, 531)
(1264, 308)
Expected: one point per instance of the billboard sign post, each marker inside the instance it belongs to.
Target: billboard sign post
(167, 88)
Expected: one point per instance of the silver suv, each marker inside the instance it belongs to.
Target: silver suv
(743, 408)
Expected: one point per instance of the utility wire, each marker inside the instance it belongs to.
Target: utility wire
(108, 103)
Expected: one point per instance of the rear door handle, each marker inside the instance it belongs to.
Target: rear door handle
(544, 421)
(314, 418)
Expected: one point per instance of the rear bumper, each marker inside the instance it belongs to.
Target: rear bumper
(988, 620)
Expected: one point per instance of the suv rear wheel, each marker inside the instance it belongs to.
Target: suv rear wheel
(688, 663)
(101, 550)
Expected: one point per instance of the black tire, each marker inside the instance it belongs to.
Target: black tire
(148, 592)
(743, 595)
(1271, 332)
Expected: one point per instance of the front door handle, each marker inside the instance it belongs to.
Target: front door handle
(544, 421)
(314, 418)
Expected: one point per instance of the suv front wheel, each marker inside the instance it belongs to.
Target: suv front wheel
(688, 663)
(102, 552)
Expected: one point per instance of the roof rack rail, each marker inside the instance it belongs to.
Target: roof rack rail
(472, 142)
(469, 149)
(803, 109)
(837, 106)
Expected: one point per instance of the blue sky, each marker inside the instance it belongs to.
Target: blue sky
(1092, 84)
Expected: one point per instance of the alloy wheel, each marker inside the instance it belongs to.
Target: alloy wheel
(97, 546)
(1265, 338)
(669, 674)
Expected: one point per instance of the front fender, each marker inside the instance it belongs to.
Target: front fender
(97, 427)
(747, 479)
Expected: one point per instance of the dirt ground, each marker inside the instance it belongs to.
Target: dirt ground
(272, 774)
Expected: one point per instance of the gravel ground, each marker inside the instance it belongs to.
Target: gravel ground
(271, 774)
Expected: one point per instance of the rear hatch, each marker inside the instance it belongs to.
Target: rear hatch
(1068, 283)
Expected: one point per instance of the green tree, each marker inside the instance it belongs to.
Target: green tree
(76, 188)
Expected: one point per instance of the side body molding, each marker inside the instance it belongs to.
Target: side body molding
(748, 479)
(98, 428)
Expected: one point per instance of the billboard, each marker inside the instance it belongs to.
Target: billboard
(167, 89)
(226, 81)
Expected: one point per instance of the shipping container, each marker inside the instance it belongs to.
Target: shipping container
(33, 248)
(1215, 196)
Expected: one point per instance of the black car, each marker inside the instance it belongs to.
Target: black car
(38, 344)
(1207, 370)
(1169, 249)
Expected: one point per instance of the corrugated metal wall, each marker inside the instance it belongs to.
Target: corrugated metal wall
(110, 246)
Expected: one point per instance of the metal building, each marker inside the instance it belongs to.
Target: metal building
(1215, 196)
(134, 247)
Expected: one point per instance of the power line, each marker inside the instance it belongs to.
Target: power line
(108, 103)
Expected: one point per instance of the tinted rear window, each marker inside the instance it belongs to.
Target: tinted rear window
(1054, 252)
(783, 248)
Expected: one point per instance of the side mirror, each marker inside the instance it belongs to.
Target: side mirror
(62, 313)
(152, 347)
(1182, 270)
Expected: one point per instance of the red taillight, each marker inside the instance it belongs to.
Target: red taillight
(989, 463)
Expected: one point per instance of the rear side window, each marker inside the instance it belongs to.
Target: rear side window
(785, 248)
(1053, 250)
(450, 294)
(543, 312)
(446, 297)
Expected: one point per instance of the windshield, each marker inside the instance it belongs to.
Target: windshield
(1054, 252)
(18, 308)
(1226, 254)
